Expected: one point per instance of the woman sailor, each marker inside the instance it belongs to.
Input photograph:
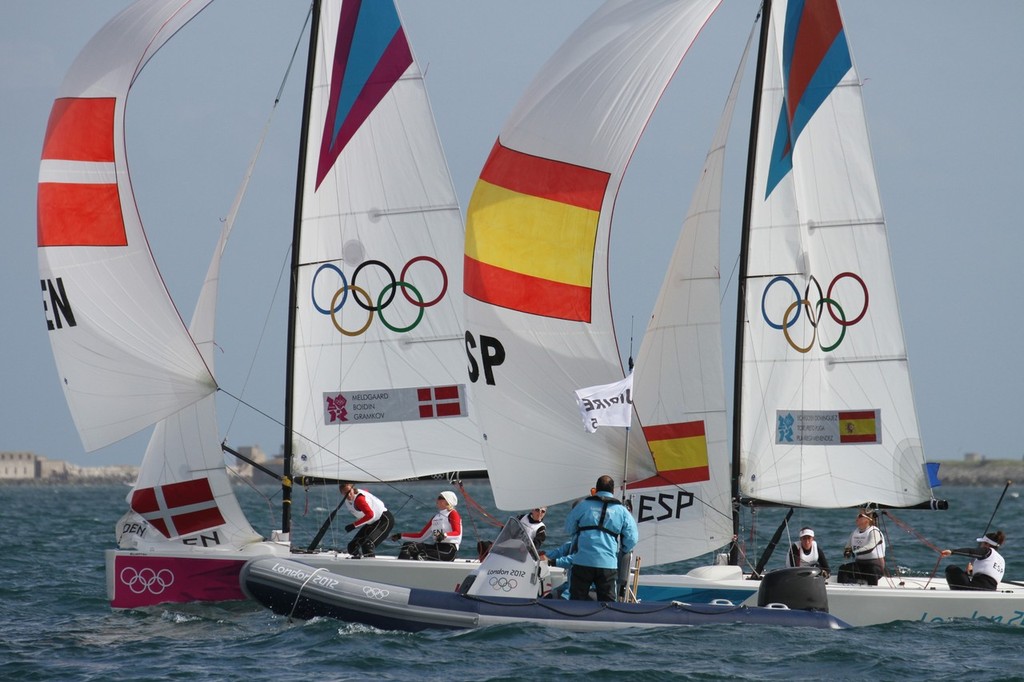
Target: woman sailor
(805, 552)
(439, 540)
(985, 571)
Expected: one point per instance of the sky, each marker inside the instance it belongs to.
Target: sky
(944, 84)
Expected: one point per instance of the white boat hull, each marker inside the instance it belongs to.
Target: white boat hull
(905, 599)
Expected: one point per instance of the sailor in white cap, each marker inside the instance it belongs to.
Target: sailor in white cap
(986, 568)
(439, 540)
(805, 552)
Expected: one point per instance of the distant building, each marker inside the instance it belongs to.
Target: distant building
(18, 466)
(974, 457)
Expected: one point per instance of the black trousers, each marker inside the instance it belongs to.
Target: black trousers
(370, 535)
(959, 579)
(444, 551)
(869, 571)
(603, 580)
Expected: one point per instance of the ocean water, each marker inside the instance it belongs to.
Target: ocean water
(56, 623)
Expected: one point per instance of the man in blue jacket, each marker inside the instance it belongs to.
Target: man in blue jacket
(601, 529)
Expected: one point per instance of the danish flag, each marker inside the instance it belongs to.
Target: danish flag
(178, 508)
(439, 401)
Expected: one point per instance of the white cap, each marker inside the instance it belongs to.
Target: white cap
(449, 497)
(988, 540)
(806, 532)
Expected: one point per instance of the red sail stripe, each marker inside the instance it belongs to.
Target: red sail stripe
(535, 176)
(80, 129)
(674, 477)
(79, 215)
(525, 293)
(673, 431)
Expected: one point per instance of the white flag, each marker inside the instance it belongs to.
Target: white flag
(608, 405)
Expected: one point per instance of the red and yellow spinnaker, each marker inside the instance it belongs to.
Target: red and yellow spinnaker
(530, 234)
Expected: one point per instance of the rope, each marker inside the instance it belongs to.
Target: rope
(298, 593)
(477, 508)
(934, 571)
(923, 540)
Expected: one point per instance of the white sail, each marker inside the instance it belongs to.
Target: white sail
(183, 488)
(538, 310)
(686, 509)
(828, 417)
(379, 389)
(123, 354)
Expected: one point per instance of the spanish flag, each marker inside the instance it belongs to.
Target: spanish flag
(78, 202)
(859, 427)
(531, 228)
(680, 454)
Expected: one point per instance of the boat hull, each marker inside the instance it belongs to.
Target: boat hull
(137, 579)
(906, 599)
(298, 590)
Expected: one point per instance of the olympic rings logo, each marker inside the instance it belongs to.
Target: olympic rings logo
(814, 311)
(384, 299)
(375, 592)
(147, 580)
(503, 584)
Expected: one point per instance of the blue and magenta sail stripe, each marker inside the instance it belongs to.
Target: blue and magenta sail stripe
(371, 53)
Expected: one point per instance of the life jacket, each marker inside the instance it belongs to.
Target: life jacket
(605, 503)
(991, 565)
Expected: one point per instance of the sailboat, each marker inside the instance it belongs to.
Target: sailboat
(823, 408)
(375, 369)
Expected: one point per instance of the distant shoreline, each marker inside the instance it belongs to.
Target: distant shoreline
(981, 473)
(988, 472)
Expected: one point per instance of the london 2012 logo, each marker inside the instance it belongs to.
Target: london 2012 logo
(350, 293)
(813, 305)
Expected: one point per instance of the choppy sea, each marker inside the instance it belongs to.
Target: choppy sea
(56, 624)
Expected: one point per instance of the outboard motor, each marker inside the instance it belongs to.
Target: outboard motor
(512, 567)
(802, 588)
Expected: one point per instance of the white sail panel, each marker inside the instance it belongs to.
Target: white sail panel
(123, 354)
(184, 454)
(379, 387)
(824, 351)
(686, 508)
(538, 312)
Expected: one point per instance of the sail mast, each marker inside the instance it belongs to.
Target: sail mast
(741, 284)
(289, 374)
